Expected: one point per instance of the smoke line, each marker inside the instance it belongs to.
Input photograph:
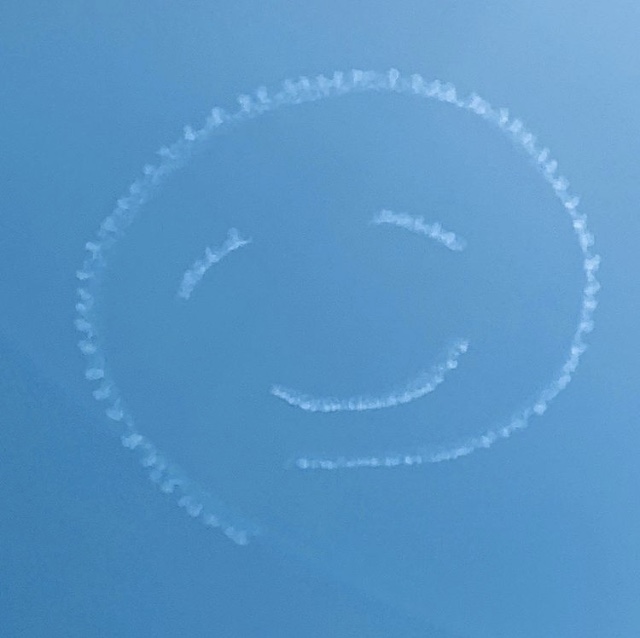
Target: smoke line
(548, 168)
(171, 480)
(418, 225)
(417, 388)
(194, 274)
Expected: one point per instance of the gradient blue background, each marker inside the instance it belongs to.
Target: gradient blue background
(536, 538)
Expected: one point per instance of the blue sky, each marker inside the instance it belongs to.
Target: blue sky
(535, 537)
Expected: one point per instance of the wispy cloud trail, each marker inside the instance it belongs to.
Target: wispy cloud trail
(197, 502)
(418, 225)
(193, 275)
(417, 388)
(548, 168)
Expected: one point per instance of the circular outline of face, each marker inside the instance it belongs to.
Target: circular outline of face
(197, 502)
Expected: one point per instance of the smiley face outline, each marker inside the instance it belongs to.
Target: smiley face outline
(161, 471)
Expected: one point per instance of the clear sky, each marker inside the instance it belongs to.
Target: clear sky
(536, 537)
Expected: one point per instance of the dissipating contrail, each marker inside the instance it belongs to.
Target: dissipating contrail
(198, 502)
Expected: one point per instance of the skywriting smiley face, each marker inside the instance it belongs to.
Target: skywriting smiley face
(201, 503)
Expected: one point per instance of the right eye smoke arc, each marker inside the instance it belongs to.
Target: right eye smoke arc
(418, 225)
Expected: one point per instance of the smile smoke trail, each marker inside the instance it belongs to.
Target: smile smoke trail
(419, 387)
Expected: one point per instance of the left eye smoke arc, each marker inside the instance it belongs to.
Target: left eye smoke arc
(194, 275)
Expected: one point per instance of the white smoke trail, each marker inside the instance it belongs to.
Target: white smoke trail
(419, 387)
(418, 225)
(171, 480)
(197, 271)
(547, 166)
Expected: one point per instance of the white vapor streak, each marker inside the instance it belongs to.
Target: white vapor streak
(419, 387)
(418, 225)
(197, 271)
(171, 480)
(547, 167)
